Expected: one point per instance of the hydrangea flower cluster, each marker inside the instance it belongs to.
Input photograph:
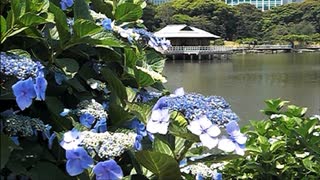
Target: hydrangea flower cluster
(23, 126)
(107, 144)
(91, 107)
(22, 67)
(206, 115)
(91, 115)
(202, 171)
(81, 146)
(193, 105)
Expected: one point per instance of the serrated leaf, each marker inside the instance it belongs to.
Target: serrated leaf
(276, 145)
(155, 60)
(69, 66)
(30, 19)
(6, 148)
(180, 131)
(141, 110)
(116, 86)
(104, 7)
(81, 10)
(143, 78)
(162, 147)
(20, 52)
(61, 23)
(127, 12)
(3, 27)
(46, 170)
(164, 166)
(130, 57)
(84, 27)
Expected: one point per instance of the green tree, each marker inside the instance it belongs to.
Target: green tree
(249, 24)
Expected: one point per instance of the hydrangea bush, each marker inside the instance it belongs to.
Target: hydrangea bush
(82, 97)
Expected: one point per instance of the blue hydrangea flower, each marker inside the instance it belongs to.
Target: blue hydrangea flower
(19, 66)
(40, 88)
(24, 92)
(206, 131)
(77, 161)
(66, 4)
(193, 106)
(100, 126)
(87, 120)
(106, 24)
(236, 141)
(108, 170)
(71, 139)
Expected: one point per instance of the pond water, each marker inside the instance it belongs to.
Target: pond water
(245, 81)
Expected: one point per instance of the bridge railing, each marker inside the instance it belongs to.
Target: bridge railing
(198, 49)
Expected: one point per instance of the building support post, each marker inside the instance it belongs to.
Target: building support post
(174, 57)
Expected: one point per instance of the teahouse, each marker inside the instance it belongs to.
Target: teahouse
(187, 41)
(184, 35)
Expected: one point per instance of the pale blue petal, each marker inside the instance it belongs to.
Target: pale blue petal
(232, 127)
(40, 88)
(23, 102)
(73, 167)
(226, 145)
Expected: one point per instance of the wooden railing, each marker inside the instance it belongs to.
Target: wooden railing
(198, 49)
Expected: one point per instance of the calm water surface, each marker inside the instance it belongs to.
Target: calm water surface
(246, 81)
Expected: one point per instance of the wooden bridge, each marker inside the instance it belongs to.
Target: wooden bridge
(222, 51)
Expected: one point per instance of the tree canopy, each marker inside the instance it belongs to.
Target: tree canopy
(238, 22)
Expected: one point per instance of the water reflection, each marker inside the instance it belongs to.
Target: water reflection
(247, 80)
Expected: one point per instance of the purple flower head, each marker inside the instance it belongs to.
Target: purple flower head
(66, 4)
(77, 161)
(87, 120)
(206, 131)
(71, 139)
(236, 141)
(159, 121)
(24, 92)
(101, 126)
(108, 170)
(40, 88)
(106, 24)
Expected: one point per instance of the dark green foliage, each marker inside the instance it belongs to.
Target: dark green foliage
(283, 146)
(241, 21)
